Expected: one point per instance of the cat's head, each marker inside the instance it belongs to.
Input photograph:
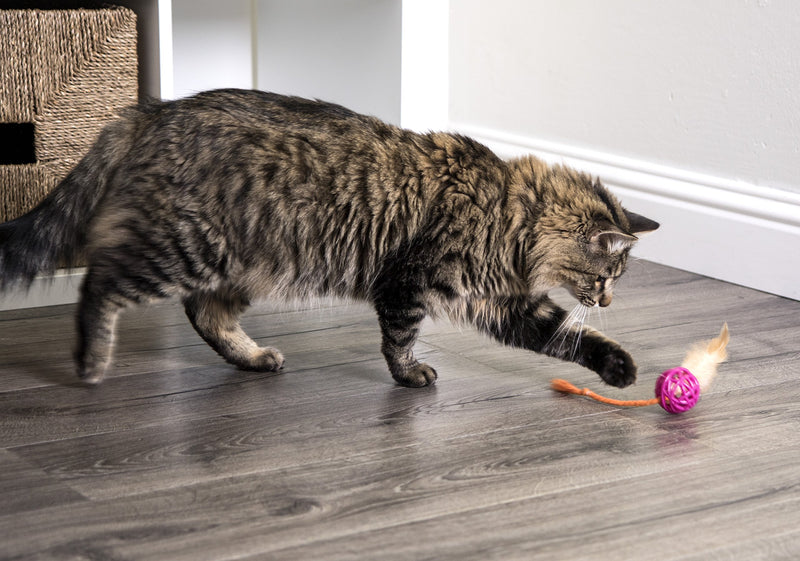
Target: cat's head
(573, 232)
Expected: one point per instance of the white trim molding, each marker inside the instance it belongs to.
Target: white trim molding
(62, 287)
(726, 229)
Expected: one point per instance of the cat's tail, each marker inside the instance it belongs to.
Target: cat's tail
(53, 233)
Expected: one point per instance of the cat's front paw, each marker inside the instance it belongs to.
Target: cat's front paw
(417, 376)
(617, 368)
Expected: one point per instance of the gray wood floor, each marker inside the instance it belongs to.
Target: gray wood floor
(178, 456)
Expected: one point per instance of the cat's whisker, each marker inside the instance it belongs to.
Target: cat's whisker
(601, 318)
(573, 323)
(561, 331)
(578, 329)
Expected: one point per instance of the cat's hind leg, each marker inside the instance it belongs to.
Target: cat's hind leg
(103, 297)
(215, 317)
(97, 318)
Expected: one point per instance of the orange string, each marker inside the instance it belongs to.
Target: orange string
(565, 387)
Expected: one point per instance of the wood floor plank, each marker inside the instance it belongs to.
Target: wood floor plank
(151, 398)
(23, 487)
(155, 338)
(405, 518)
(367, 487)
(260, 431)
(774, 546)
(705, 510)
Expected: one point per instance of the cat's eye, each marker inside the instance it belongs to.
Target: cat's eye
(601, 280)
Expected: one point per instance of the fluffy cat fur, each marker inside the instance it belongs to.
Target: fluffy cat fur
(233, 195)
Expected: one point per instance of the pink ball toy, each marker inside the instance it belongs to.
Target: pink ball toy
(677, 390)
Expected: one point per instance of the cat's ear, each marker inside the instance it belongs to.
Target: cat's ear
(639, 224)
(610, 239)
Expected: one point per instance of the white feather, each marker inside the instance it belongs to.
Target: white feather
(703, 358)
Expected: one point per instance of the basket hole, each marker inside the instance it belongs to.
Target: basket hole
(17, 144)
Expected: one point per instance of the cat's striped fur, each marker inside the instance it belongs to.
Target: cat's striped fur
(232, 195)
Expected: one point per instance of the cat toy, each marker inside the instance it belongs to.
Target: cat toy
(677, 389)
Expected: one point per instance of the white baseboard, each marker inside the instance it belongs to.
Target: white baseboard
(61, 288)
(726, 229)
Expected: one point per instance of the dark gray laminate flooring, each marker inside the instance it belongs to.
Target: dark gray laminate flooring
(179, 456)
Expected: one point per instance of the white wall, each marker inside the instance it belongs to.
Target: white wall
(710, 86)
(345, 51)
(690, 110)
(212, 45)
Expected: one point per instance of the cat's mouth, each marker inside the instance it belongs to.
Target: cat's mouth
(588, 300)
(582, 297)
(602, 301)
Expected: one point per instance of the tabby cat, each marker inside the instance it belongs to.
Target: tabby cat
(233, 195)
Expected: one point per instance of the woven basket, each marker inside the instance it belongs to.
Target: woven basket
(65, 73)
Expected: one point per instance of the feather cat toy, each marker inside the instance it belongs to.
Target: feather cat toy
(677, 389)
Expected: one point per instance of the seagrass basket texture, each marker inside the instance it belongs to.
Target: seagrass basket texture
(63, 75)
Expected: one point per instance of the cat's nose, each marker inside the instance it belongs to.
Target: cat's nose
(604, 300)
